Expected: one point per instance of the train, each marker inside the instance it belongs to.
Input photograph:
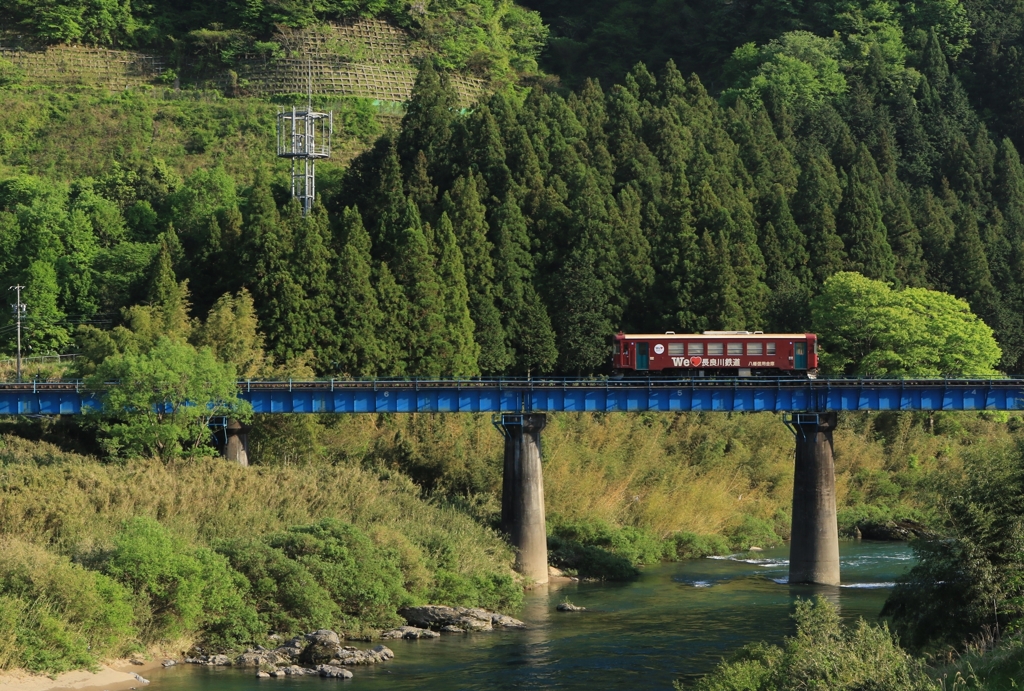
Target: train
(716, 354)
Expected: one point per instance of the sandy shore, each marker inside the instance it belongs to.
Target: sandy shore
(114, 677)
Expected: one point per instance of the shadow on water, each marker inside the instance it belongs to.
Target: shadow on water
(675, 620)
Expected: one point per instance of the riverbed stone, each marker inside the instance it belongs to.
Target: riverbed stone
(333, 672)
(218, 660)
(257, 658)
(262, 675)
(350, 656)
(452, 629)
(570, 607)
(409, 633)
(468, 618)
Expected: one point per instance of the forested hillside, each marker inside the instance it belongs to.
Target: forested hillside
(515, 236)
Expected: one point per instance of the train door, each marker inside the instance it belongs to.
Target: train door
(643, 355)
(800, 355)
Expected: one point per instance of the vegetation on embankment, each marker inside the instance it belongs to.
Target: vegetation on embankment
(120, 554)
(623, 490)
(99, 559)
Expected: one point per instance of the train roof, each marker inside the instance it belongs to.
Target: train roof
(716, 334)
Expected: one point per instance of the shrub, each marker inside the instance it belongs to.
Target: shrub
(287, 596)
(822, 655)
(363, 579)
(65, 615)
(693, 546)
(185, 588)
(753, 532)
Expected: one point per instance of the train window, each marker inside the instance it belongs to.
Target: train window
(676, 348)
(755, 349)
(735, 348)
(616, 348)
(716, 349)
(694, 348)
(771, 349)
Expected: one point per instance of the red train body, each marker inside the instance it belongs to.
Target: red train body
(717, 353)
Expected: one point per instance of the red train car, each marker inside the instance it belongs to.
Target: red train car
(717, 353)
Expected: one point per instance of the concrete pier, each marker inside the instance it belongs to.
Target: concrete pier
(236, 447)
(522, 494)
(814, 548)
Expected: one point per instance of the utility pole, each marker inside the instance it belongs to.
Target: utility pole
(19, 311)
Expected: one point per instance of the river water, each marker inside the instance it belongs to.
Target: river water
(676, 621)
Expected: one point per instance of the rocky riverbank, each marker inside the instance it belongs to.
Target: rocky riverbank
(322, 653)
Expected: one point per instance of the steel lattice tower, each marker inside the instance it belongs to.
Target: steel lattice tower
(304, 135)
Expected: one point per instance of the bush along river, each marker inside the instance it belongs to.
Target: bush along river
(675, 621)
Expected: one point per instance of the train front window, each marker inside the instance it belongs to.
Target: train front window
(755, 349)
(771, 349)
(735, 348)
(675, 349)
(716, 349)
(695, 349)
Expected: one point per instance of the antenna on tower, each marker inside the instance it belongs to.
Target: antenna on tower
(304, 135)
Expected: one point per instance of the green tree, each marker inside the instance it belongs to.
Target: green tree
(358, 311)
(859, 221)
(231, 332)
(463, 351)
(468, 216)
(974, 578)
(868, 329)
(161, 401)
(44, 330)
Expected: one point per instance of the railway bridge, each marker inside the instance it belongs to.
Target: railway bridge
(519, 407)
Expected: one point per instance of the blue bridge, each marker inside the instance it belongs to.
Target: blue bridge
(570, 395)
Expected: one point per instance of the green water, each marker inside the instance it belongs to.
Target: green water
(676, 620)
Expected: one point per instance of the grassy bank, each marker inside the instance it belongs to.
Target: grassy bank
(647, 487)
(101, 559)
(344, 519)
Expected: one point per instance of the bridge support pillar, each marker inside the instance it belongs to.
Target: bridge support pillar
(522, 493)
(814, 547)
(236, 446)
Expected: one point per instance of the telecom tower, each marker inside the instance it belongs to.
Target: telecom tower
(304, 135)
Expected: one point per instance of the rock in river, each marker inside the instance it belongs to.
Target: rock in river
(570, 607)
(409, 632)
(470, 619)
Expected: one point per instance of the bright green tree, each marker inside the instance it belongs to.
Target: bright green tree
(44, 328)
(161, 401)
(868, 329)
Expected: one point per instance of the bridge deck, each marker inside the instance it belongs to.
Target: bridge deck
(570, 395)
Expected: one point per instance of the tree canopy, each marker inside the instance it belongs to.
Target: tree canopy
(867, 328)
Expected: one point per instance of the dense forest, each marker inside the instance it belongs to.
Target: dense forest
(516, 236)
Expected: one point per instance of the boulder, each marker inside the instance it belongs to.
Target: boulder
(409, 632)
(257, 658)
(570, 607)
(333, 672)
(218, 660)
(291, 671)
(452, 629)
(350, 656)
(470, 619)
(262, 675)
(894, 531)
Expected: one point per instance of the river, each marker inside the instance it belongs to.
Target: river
(675, 621)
